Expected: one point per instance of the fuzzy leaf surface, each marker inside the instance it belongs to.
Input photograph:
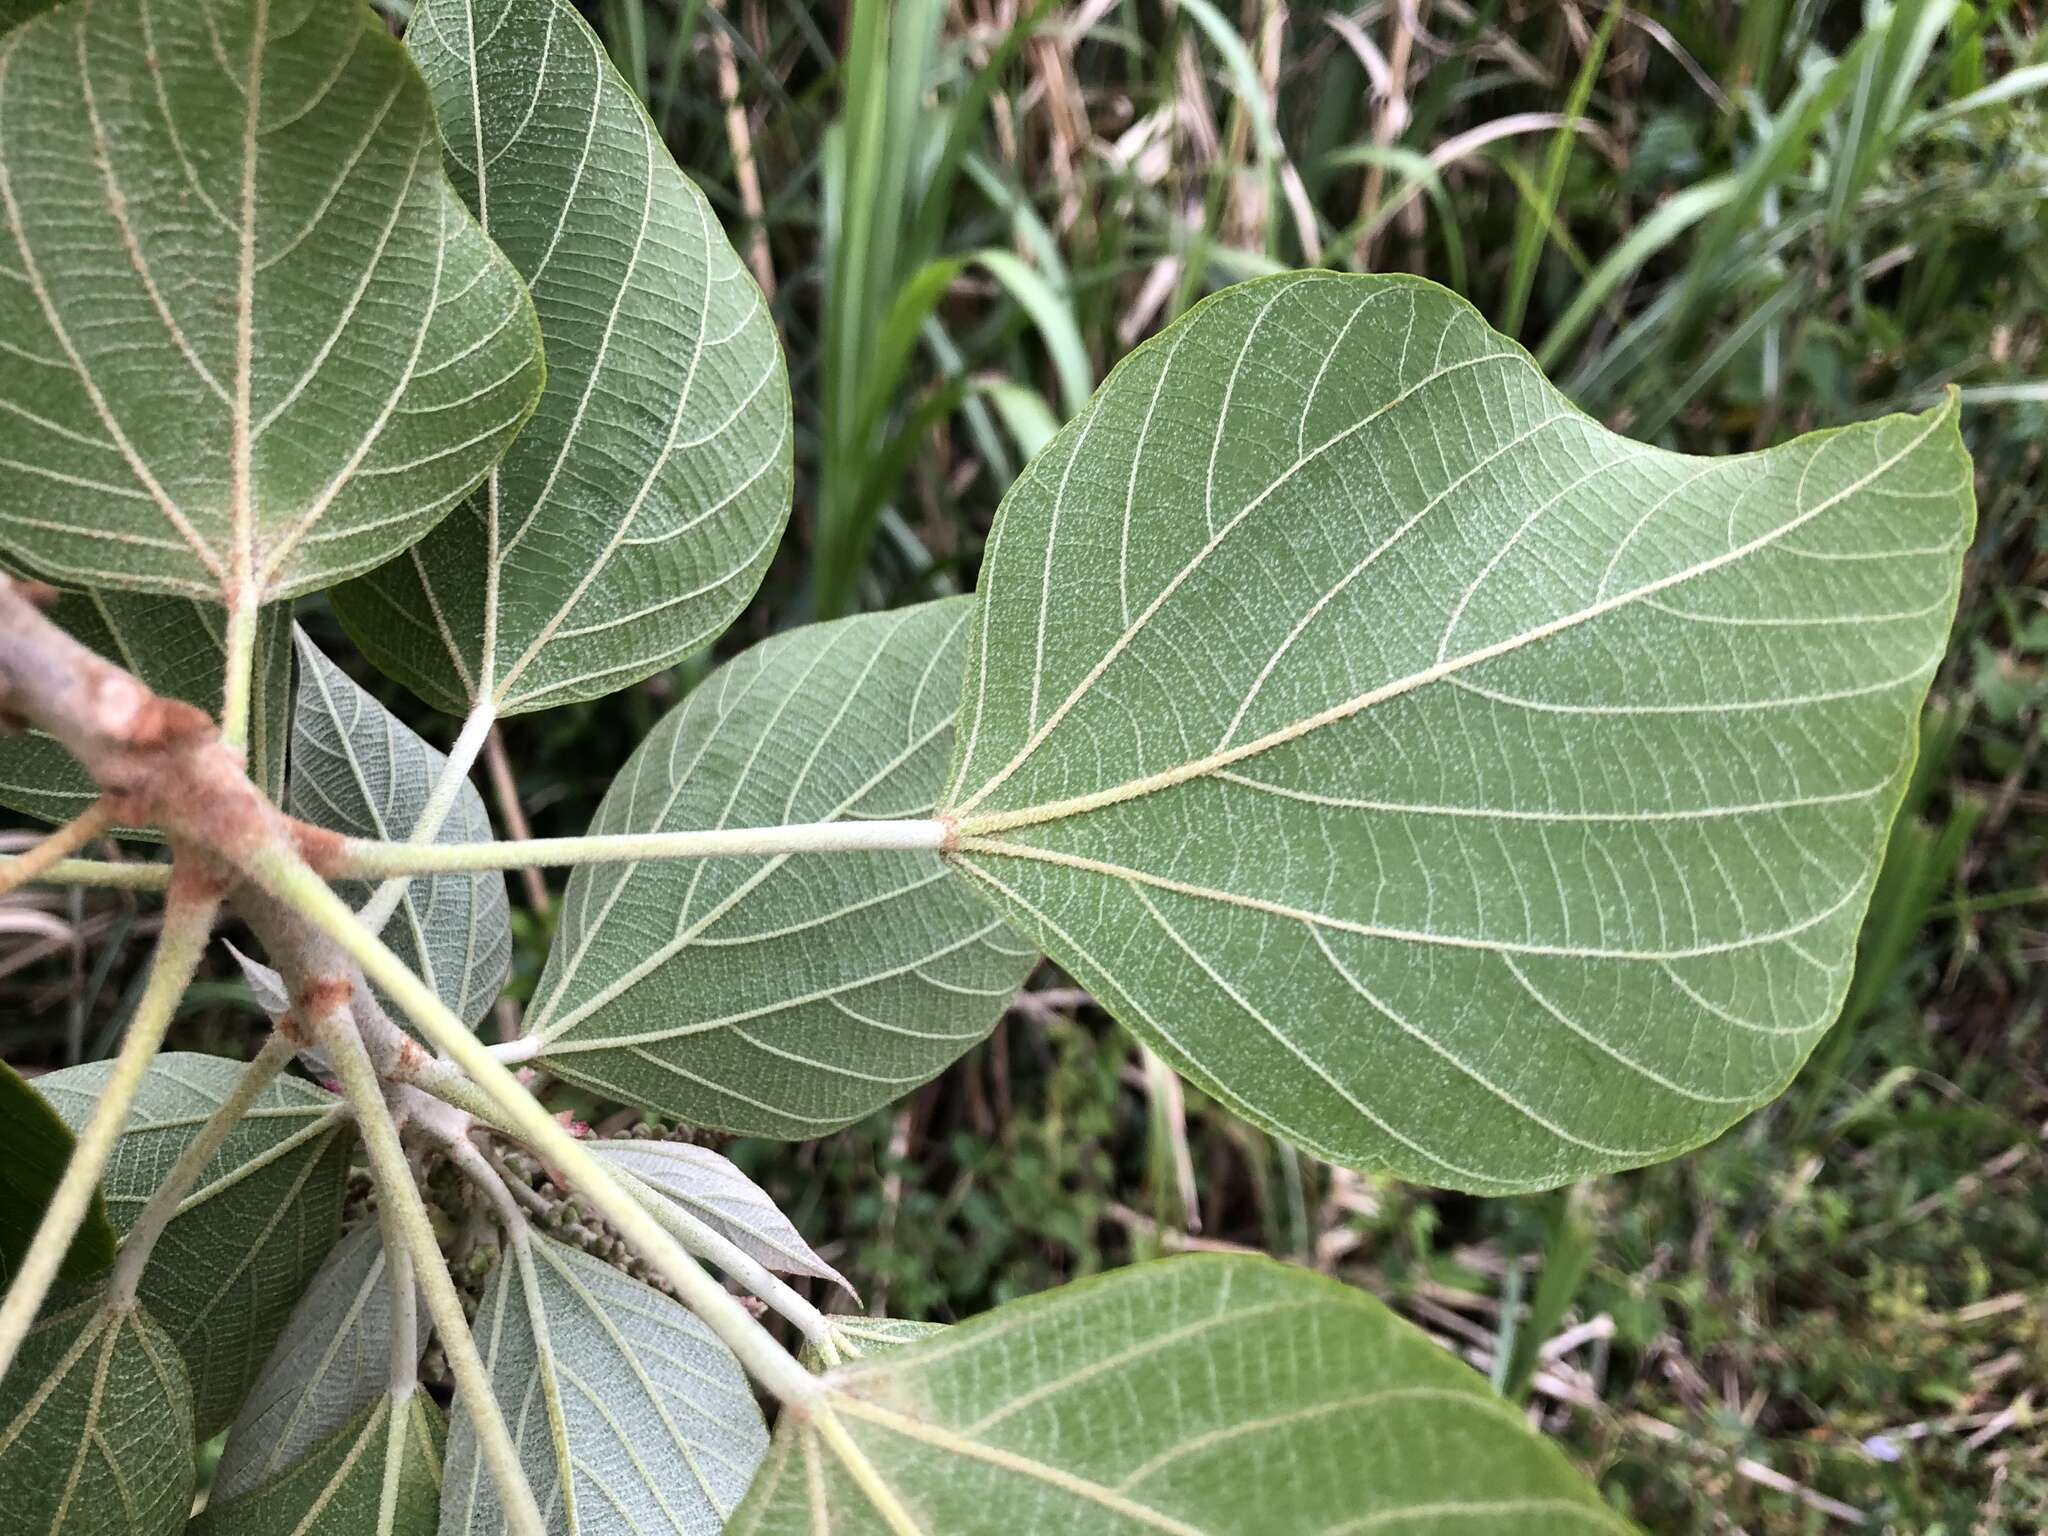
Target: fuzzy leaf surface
(35, 1144)
(712, 1188)
(249, 1238)
(253, 340)
(359, 770)
(96, 1427)
(631, 1419)
(178, 647)
(1196, 1397)
(331, 1366)
(782, 996)
(859, 1337)
(1440, 780)
(378, 1475)
(636, 513)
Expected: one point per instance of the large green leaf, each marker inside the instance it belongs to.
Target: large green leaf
(1440, 780)
(634, 516)
(358, 769)
(1198, 1397)
(176, 646)
(96, 1427)
(782, 996)
(630, 1417)
(251, 334)
(35, 1144)
(378, 1475)
(332, 1365)
(247, 1240)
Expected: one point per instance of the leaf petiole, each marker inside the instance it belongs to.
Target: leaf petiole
(374, 860)
(199, 1151)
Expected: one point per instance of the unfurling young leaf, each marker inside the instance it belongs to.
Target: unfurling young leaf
(1195, 1396)
(358, 770)
(782, 996)
(711, 1188)
(332, 1365)
(1438, 779)
(253, 339)
(634, 516)
(857, 1338)
(629, 1415)
(96, 1427)
(228, 1269)
(178, 647)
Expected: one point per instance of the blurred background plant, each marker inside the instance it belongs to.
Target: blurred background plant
(1717, 227)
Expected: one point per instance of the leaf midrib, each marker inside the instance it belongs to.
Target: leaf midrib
(989, 824)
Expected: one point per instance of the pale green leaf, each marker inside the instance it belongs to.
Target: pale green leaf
(634, 516)
(252, 338)
(1440, 780)
(1196, 1397)
(331, 1366)
(244, 1244)
(96, 1427)
(631, 1419)
(357, 769)
(783, 996)
(711, 1188)
(176, 646)
(378, 1475)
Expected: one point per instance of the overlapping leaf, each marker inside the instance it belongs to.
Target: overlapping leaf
(35, 1144)
(378, 1475)
(177, 647)
(782, 996)
(635, 514)
(711, 1188)
(228, 1269)
(1197, 1397)
(96, 1427)
(359, 770)
(631, 1419)
(332, 1365)
(252, 339)
(1440, 780)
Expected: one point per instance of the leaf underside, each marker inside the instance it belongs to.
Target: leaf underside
(176, 646)
(245, 1243)
(634, 516)
(252, 339)
(627, 1412)
(782, 996)
(331, 1366)
(347, 1485)
(35, 1144)
(712, 1189)
(96, 1427)
(1442, 781)
(359, 770)
(1197, 1397)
